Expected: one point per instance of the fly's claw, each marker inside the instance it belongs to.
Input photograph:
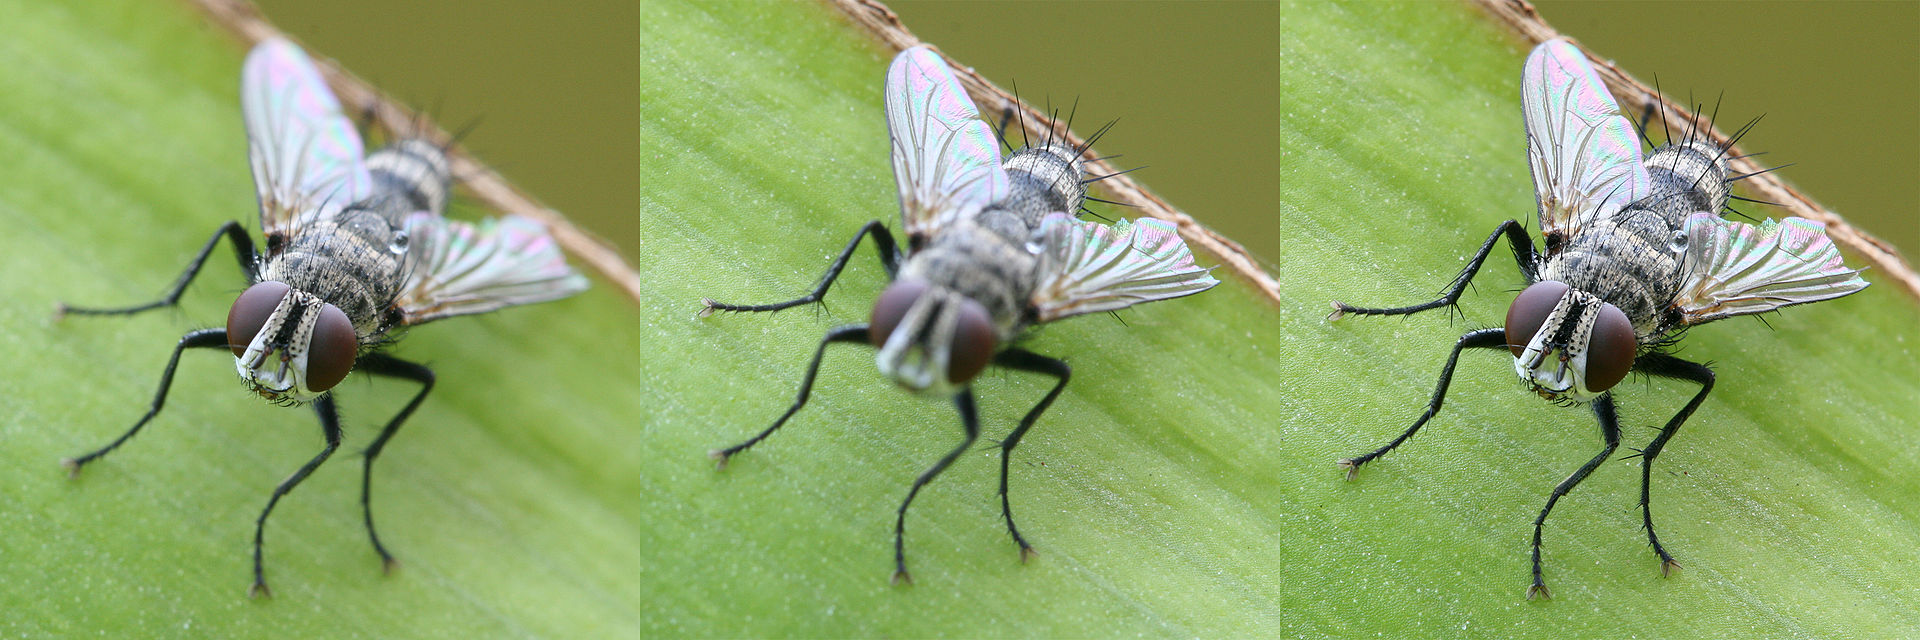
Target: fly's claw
(1539, 591)
(1340, 310)
(1668, 566)
(1352, 466)
(706, 307)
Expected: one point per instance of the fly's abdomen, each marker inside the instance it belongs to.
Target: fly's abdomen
(1686, 177)
(1042, 180)
(408, 176)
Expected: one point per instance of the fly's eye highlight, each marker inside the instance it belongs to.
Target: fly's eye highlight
(973, 342)
(331, 352)
(400, 242)
(1611, 349)
(891, 307)
(250, 312)
(1530, 310)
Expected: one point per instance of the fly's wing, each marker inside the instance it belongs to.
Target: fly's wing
(945, 160)
(306, 157)
(456, 268)
(1734, 269)
(1087, 266)
(1585, 159)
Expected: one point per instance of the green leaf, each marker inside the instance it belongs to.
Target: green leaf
(508, 497)
(1185, 482)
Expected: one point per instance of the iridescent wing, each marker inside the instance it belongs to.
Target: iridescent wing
(945, 160)
(1733, 269)
(1584, 156)
(307, 159)
(1087, 266)
(456, 268)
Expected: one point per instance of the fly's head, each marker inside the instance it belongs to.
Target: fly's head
(1568, 345)
(931, 339)
(289, 346)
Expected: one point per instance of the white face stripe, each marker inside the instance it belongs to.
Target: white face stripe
(922, 366)
(282, 377)
(1555, 377)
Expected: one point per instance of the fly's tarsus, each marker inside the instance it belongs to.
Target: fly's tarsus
(882, 241)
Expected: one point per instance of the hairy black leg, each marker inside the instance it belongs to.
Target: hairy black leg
(889, 259)
(1666, 366)
(970, 421)
(1024, 360)
(202, 339)
(242, 249)
(1495, 338)
(1522, 254)
(851, 333)
(380, 364)
(1610, 431)
(330, 426)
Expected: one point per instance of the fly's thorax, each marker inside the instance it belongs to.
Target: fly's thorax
(1568, 344)
(983, 264)
(1044, 179)
(1629, 259)
(1686, 177)
(408, 176)
(290, 346)
(355, 260)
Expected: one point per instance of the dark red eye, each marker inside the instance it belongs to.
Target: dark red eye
(250, 312)
(973, 342)
(1611, 349)
(1530, 310)
(331, 352)
(891, 307)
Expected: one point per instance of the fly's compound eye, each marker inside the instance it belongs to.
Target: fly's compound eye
(331, 352)
(1610, 350)
(974, 342)
(1530, 310)
(891, 307)
(250, 312)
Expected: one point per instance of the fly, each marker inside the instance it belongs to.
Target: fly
(1636, 253)
(992, 250)
(356, 251)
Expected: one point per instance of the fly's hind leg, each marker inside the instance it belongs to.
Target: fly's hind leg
(1023, 360)
(1522, 254)
(1666, 366)
(889, 259)
(242, 249)
(1495, 338)
(384, 365)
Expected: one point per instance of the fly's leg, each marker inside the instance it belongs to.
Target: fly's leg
(383, 365)
(1610, 431)
(970, 421)
(202, 339)
(330, 426)
(242, 249)
(1023, 360)
(1667, 366)
(889, 259)
(1495, 338)
(1522, 254)
(851, 333)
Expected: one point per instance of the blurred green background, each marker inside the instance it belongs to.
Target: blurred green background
(1195, 86)
(554, 87)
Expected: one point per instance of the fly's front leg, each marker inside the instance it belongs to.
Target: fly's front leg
(202, 339)
(383, 365)
(1522, 254)
(330, 428)
(1495, 338)
(889, 259)
(1609, 431)
(242, 249)
(850, 333)
(970, 422)
(1023, 360)
(1666, 366)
